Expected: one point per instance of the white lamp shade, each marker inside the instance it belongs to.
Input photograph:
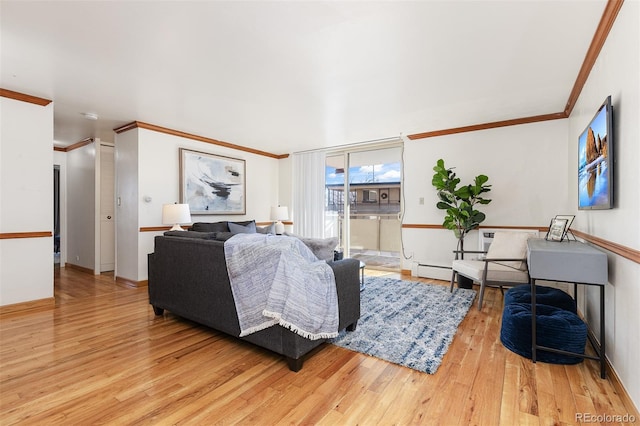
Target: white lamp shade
(175, 214)
(279, 213)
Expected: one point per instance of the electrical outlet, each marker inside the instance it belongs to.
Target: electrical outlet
(78, 257)
(421, 201)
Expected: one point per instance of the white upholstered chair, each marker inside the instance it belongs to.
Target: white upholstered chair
(505, 263)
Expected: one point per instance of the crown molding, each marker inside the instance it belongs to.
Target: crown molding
(492, 125)
(606, 23)
(76, 145)
(153, 127)
(602, 31)
(24, 97)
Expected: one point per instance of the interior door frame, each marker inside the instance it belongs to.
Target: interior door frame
(98, 210)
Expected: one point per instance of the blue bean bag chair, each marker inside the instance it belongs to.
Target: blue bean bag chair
(556, 328)
(544, 296)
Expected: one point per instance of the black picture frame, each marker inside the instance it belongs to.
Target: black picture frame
(567, 230)
(556, 230)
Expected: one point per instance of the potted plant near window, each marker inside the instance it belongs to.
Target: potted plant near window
(459, 202)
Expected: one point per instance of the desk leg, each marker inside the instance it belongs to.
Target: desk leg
(602, 341)
(533, 319)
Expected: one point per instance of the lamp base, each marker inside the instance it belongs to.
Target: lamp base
(279, 228)
(177, 227)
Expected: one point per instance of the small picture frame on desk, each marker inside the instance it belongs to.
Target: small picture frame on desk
(567, 231)
(556, 229)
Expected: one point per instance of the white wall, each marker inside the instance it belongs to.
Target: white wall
(158, 178)
(81, 211)
(526, 166)
(616, 73)
(533, 169)
(26, 200)
(285, 185)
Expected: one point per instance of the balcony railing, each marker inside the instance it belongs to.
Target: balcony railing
(372, 235)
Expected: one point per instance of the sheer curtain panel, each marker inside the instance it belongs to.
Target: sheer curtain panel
(308, 193)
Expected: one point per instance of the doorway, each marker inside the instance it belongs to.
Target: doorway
(363, 193)
(107, 208)
(56, 214)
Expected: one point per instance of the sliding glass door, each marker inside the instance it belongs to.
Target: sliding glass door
(363, 193)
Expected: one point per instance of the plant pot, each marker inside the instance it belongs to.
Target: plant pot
(464, 282)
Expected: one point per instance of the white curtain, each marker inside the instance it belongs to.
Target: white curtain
(308, 194)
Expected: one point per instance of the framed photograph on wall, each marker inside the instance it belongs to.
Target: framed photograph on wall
(212, 184)
(556, 229)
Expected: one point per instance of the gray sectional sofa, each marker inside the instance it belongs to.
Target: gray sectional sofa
(188, 277)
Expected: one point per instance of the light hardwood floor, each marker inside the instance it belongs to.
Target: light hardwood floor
(102, 357)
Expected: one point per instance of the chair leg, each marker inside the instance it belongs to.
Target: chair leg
(453, 278)
(481, 295)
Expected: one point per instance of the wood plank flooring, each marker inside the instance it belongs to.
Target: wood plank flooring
(101, 356)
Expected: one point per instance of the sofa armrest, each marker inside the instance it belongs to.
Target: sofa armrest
(347, 276)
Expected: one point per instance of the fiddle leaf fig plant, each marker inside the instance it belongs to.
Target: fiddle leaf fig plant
(459, 202)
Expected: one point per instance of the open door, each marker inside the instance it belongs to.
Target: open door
(56, 214)
(107, 209)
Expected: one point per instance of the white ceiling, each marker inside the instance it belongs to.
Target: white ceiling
(284, 76)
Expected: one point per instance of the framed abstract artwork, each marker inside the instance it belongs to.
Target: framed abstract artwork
(212, 184)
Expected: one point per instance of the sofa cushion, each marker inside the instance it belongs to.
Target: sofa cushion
(222, 236)
(496, 272)
(238, 228)
(210, 227)
(191, 234)
(321, 247)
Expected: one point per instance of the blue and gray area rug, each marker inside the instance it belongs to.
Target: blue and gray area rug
(407, 323)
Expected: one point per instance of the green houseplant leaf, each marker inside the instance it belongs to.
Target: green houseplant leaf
(459, 202)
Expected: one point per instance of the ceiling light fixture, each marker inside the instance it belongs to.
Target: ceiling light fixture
(89, 115)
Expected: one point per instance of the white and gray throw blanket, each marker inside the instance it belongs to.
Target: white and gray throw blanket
(278, 280)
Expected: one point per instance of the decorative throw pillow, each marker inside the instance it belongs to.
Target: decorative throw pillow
(271, 229)
(245, 223)
(236, 228)
(509, 245)
(321, 247)
(210, 227)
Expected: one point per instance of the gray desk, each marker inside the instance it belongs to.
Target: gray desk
(571, 262)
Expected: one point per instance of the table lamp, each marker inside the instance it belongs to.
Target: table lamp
(278, 214)
(175, 214)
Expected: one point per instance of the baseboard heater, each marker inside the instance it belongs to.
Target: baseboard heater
(438, 272)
